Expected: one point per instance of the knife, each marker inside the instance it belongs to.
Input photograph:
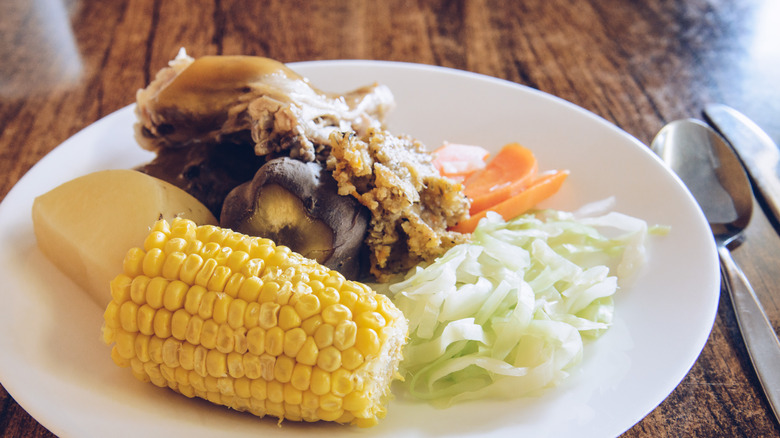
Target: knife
(755, 148)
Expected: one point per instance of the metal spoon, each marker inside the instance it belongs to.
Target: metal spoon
(716, 178)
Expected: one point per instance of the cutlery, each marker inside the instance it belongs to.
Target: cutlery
(756, 149)
(712, 172)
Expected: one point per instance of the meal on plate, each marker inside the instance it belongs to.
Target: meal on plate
(284, 253)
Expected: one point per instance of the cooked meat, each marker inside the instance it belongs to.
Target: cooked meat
(207, 171)
(207, 99)
(411, 204)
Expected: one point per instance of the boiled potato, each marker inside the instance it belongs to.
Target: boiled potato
(86, 225)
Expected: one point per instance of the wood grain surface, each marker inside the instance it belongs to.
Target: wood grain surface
(66, 64)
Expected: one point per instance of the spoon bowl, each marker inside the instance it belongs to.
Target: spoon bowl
(711, 170)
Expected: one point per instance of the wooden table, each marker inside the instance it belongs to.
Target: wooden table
(66, 64)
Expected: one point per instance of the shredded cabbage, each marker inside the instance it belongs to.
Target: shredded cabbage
(505, 315)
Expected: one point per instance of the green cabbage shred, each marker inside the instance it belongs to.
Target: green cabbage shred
(508, 313)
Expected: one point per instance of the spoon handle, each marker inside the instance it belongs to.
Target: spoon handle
(759, 335)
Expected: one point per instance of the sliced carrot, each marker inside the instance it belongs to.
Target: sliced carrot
(509, 172)
(540, 189)
(459, 161)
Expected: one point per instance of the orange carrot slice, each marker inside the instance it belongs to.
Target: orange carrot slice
(459, 161)
(509, 172)
(540, 189)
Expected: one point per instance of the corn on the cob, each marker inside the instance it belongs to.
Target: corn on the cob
(244, 323)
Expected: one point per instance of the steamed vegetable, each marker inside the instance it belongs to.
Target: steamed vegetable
(506, 175)
(244, 323)
(297, 204)
(459, 161)
(85, 225)
(506, 315)
(537, 191)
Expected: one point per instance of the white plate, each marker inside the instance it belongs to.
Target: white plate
(54, 364)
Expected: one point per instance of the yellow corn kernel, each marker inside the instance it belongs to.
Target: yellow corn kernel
(269, 315)
(288, 318)
(206, 271)
(285, 293)
(162, 323)
(120, 288)
(208, 334)
(267, 363)
(111, 315)
(170, 352)
(293, 341)
(252, 315)
(216, 363)
(128, 316)
(366, 303)
(223, 255)
(187, 356)
(341, 382)
(206, 309)
(308, 353)
(174, 296)
(179, 322)
(219, 278)
(367, 342)
(250, 288)
(328, 296)
(242, 387)
(146, 319)
(235, 364)
(236, 312)
(323, 337)
(320, 381)
(345, 334)
(209, 250)
(307, 305)
(190, 268)
(301, 376)
(125, 344)
(283, 368)
(236, 260)
(275, 391)
(351, 358)
(252, 366)
(292, 397)
(194, 330)
(255, 339)
(141, 344)
(153, 262)
(155, 349)
(372, 320)
(221, 306)
(118, 359)
(174, 245)
(234, 283)
(225, 339)
(133, 263)
(193, 299)
(173, 264)
(239, 340)
(138, 289)
(331, 402)
(311, 324)
(197, 381)
(268, 291)
(274, 341)
(348, 298)
(329, 359)
(199, 361)
(155, 292)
